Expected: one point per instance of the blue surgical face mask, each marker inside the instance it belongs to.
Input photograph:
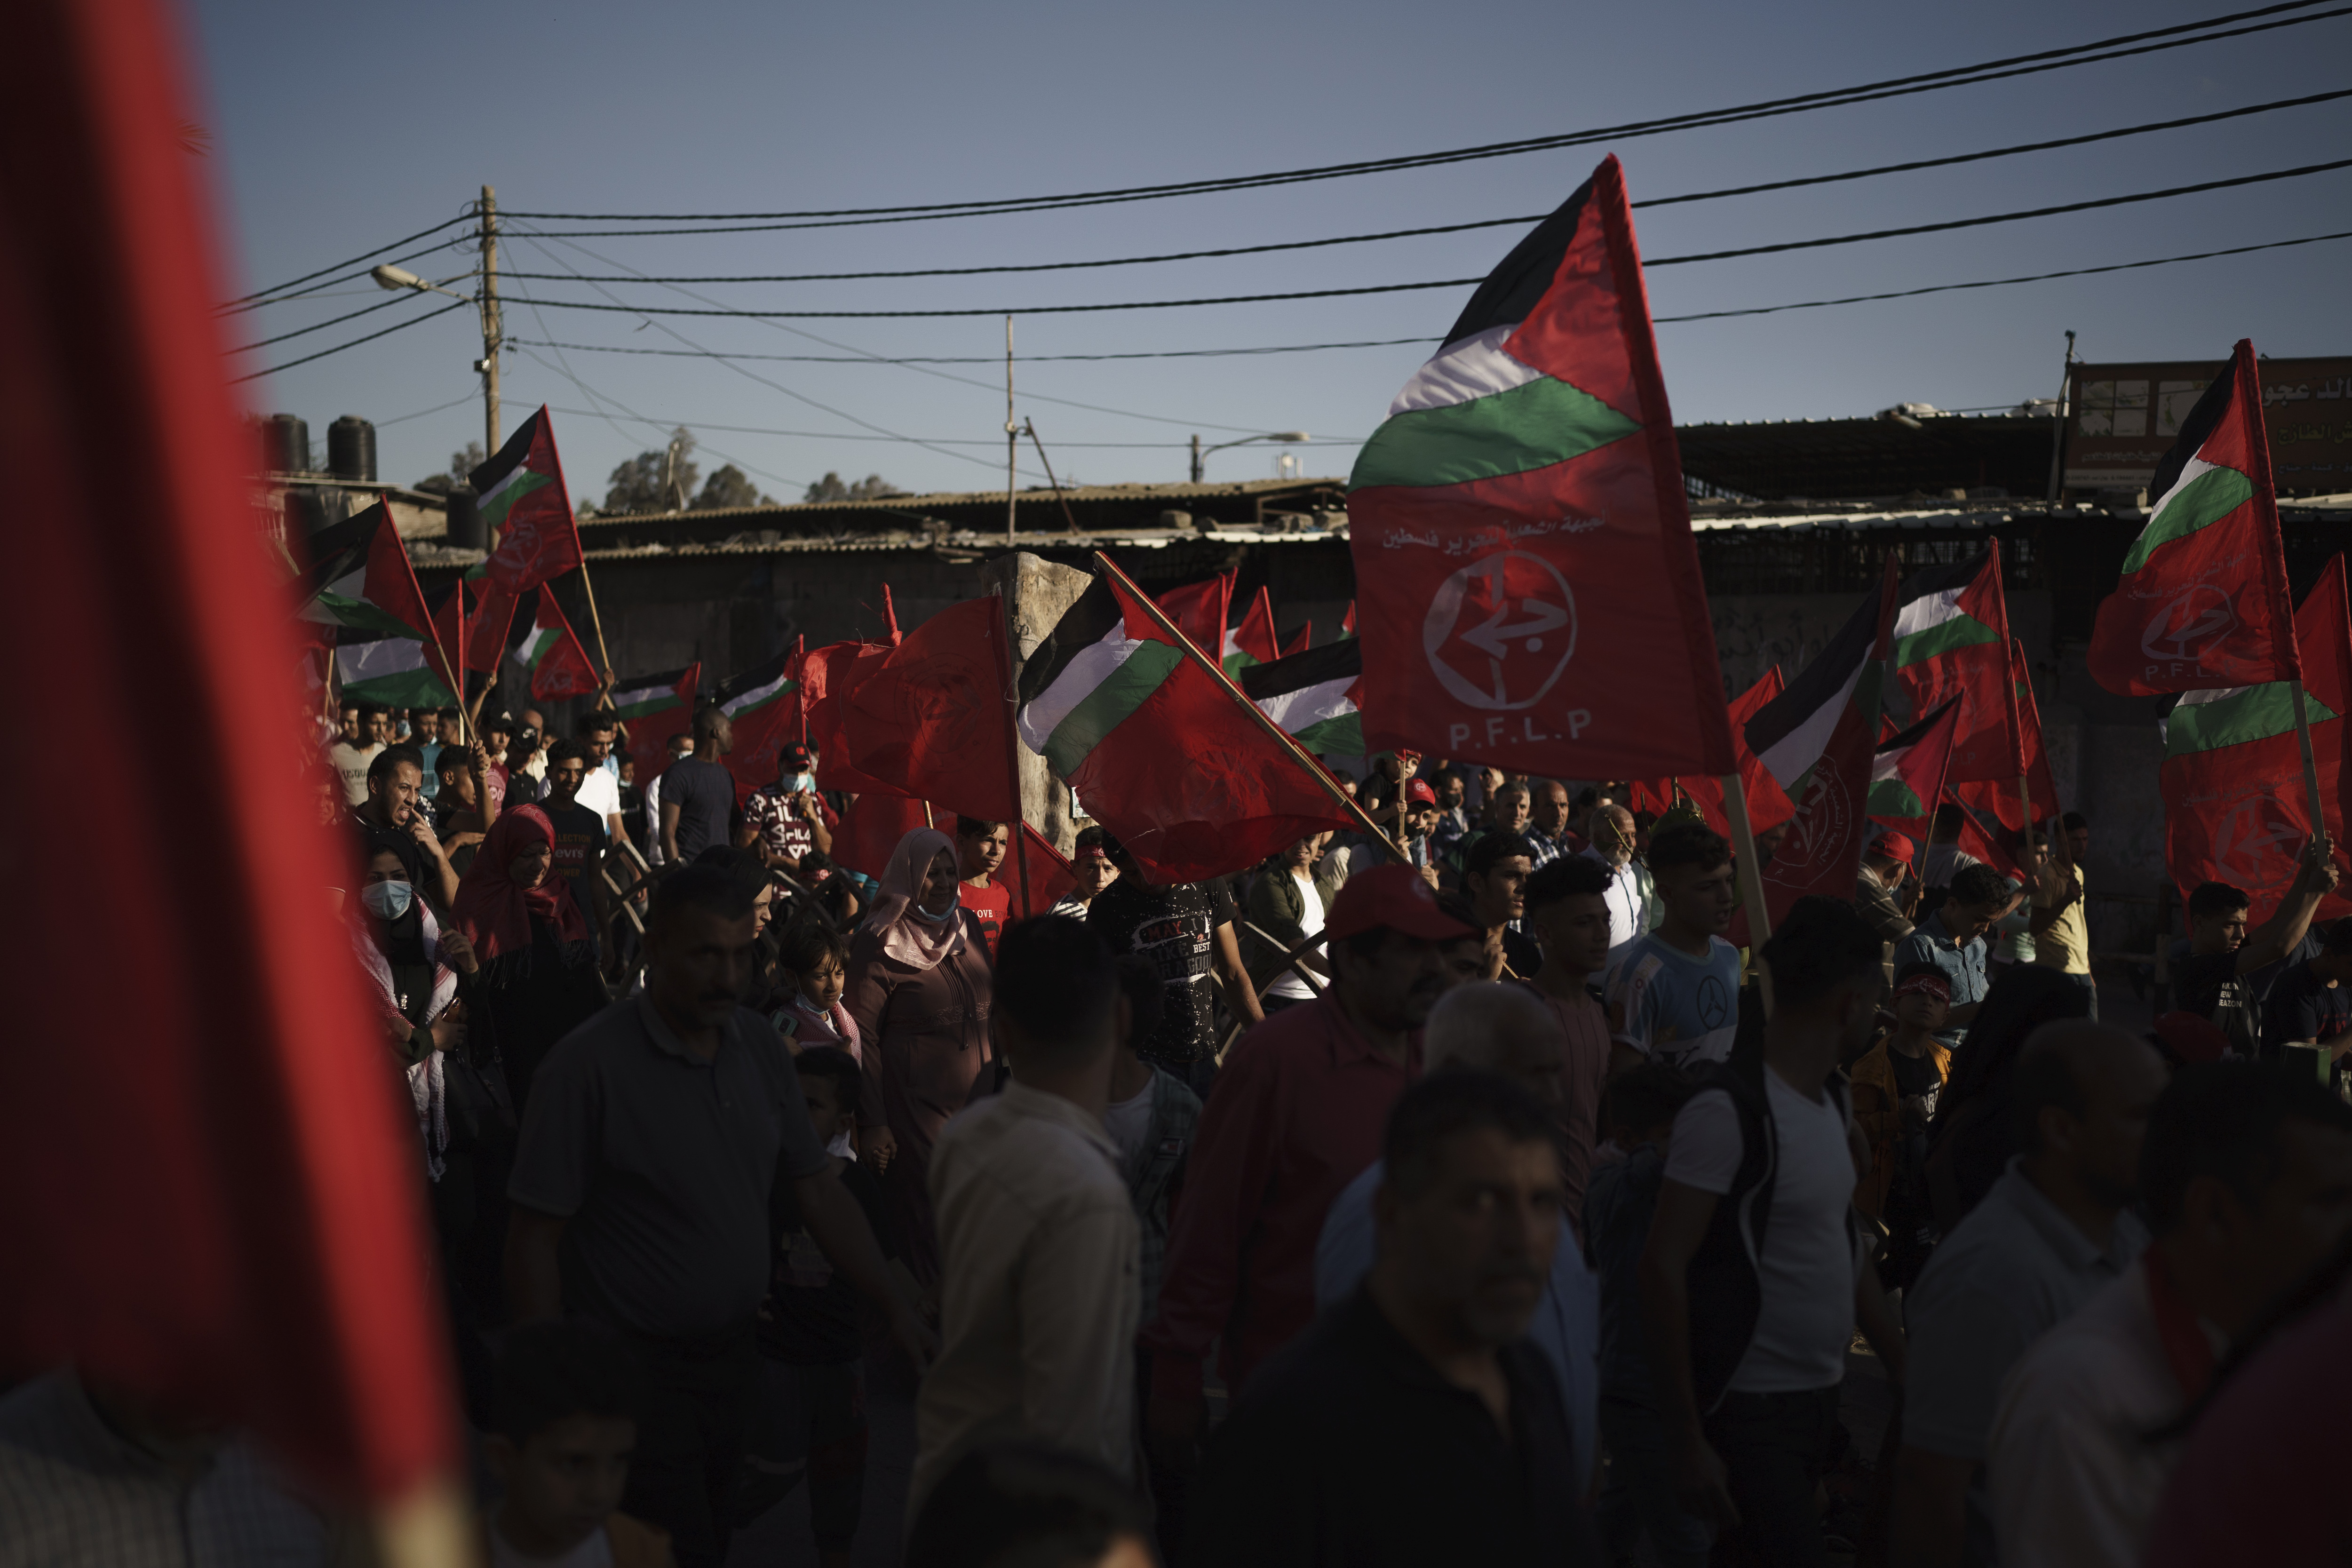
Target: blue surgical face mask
(796, 782)
(939, 919)
(387, 900)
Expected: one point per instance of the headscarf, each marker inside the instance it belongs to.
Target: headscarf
(494, 913)
(908, 935)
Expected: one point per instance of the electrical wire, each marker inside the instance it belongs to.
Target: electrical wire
(1773, 248)
(325, 290)
(322, 353)
(354, 261)
(1912, 167)
(436, 408)
(999, 359)
(1989, 70)
(698, 424)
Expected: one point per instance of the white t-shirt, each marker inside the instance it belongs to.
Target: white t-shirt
(1310, 923)
(1129, 1121)
(600, 792)
(596, 1552)
(1809, 1267)
(1624, 900)
(351, 765)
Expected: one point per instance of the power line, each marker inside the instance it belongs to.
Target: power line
(1776, 247)
(322, 353)
(354, 261)
(697, 425)
(998, 359)
(1989, 70)
(321, 291)
(1912, 167)
(323, 326)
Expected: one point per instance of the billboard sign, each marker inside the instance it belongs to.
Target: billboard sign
(2123, 417)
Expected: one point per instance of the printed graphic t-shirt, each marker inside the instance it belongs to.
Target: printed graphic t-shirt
(1673, 1007)
(1176, 928)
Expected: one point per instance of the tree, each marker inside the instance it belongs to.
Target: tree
(461, 465)
(730, 487)
(873, 487)
(660, 480)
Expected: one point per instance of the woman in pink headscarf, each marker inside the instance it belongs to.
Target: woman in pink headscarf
(919, 990)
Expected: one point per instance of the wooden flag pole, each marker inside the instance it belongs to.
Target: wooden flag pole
(594, 620)
(1020, 845)
(1287, 740)
(1752, 880)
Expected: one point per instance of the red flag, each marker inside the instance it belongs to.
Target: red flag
(655, 708)
(933, 716)
(1767, 803)
(1050, 876)
(2000, 797)
(1528, 584)
(1348, 621)
(214, 1206)
(763, 704)
(1255, 635)
(1303, 641)
(1951, 644)
(1975, 841)
(2203, 601)
(870, 829)
(489, 620)
(524, 499)
(2236, 809)
(559, 664)
(828, 675)
(1200, 611)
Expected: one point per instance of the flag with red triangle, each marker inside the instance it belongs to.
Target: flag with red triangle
(523, 498)
(655, 708)
(2203, 602)
(1951, 644)
(764, 703)
(1768, 803)
(2236, 809)
(1909, 773)
(1302, 642)
(1528, 583)
(559, 666)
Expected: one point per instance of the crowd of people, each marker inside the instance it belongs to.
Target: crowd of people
(1456, 1191)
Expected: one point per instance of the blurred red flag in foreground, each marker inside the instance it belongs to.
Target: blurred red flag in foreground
(207, 1191)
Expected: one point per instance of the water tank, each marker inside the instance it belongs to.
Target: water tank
(308, 511)
(350, 449)
(464, 520)
(286, 443)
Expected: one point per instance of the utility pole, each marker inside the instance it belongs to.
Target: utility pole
(1012, 432)
(1196, 460)
(493, 332)
(2058, 435)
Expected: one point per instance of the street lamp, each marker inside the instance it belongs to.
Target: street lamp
(1200, 452)
(399, 277)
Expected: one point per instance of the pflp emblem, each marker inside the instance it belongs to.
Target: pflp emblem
(1501, 632)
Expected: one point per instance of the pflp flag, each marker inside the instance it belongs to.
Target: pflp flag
(1199, 610)
(655, 708)
(2203, 600)
(524, 499)
(216, 1209)
(933, 718)
(1160, 751)
(2000, 797)
(2235, 805)
(763, 701)
(1817, 739)
(559, 666)
(1951, 645)
(1909, 773)
(828, 675)
(1528, 585)
(491, 610)
(360, 580)
(1767, 805)
(1312, 695)
(1254, 640)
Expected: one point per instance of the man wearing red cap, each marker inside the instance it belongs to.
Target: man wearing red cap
(1879, 884)
(1298, 1110)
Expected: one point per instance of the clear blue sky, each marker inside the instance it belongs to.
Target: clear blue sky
(340, 128)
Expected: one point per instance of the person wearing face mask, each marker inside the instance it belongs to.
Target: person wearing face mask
(920, 990)
(413, 969)
(784, 820)
(538, 979)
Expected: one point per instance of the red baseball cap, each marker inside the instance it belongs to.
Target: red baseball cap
(1896, 846)
(1393, 897)
(1418, 792)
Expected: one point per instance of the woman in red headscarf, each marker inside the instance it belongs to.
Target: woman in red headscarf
(538, 979)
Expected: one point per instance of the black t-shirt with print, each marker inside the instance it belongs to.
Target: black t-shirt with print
(1176, 928)
(2210, 986)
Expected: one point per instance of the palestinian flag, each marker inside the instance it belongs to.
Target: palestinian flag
(523, 499)
(559, 666)
(764, 703)
(1312, 695)
(1818, 739)
(1253, 641)
(1529, 591)
(394, 672)
(1951, 645)
(1303, 641)
(2236, 806)
(2203, 600)
(655, 708)
(1907, 776)
(1768, 803)
(360, 579)
(1157, 747)
(1348, 621)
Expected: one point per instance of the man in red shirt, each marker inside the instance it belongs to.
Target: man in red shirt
(1297, 1113)
(980, 850)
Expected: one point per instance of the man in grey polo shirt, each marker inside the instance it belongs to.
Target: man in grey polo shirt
(2045, 1238)
(656, 1134)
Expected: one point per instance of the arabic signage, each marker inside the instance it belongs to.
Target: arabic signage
(2126, 416)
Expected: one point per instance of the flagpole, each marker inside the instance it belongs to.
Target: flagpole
(1752, 880)
(595, 619)
(2310, 768)
(1289, 741)
(1012, 746)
